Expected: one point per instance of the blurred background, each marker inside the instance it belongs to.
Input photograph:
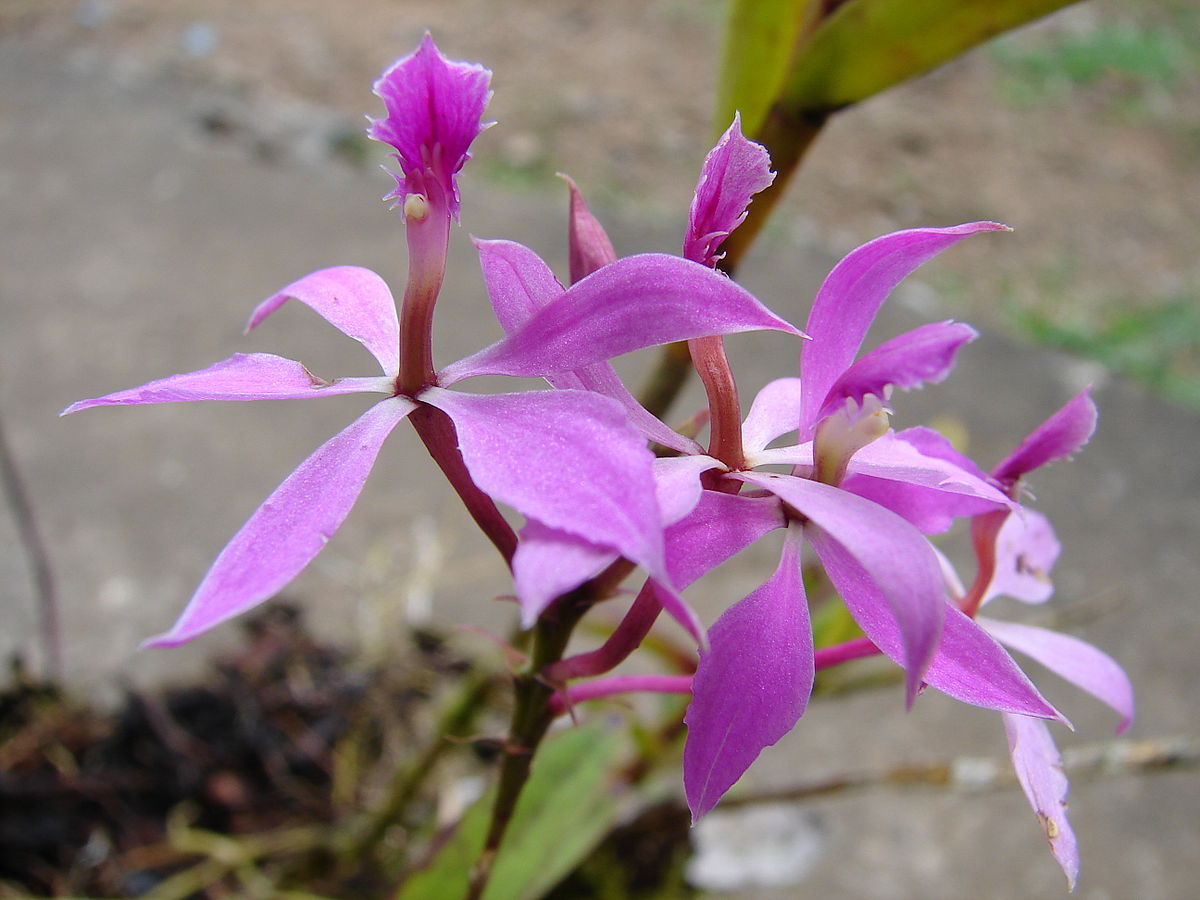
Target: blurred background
(165, 166)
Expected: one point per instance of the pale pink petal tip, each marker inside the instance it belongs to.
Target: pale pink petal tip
(434, 112)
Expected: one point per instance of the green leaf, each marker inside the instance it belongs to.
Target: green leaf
(760, 38)
(567, 807)
(866, 46)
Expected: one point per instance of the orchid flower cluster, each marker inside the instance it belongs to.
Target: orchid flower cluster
(576, 462)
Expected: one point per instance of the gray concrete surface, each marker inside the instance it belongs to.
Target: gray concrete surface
(133, 245)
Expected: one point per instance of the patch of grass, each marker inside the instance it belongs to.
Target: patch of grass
(1134, 57)
(1158, 345)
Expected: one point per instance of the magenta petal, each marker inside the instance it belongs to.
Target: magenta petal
(677, 483)
(720, 526)
(775, 412)
(587, 242)
(434, 112)
(752, 684)
(636, 302)
(1026, 550)
(549, 563)
(244, 376)
(1058, 437)
(291, 527)
(929, 510)
(733, 172)
(898, 582)
(353, 300)
(1077, 661)
(921, 356)
(566, 459)
(847, 302)
(1040, 772)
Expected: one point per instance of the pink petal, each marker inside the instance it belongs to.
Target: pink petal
(1060, 436)
(752, 684)
(353, 300)
(636, 302)
(244, 376)
(549, 563)
(937, 445)
(1077, 661)
(1026, 550)
(720, 527)
(923, 355)
(775, 412)
(968, 665)
(434, 112)
(520, 284)
(1039, 769)
(677, 484)
(291, 527)
(733, 172)
(847, 302)
(588, 245)
(566, 459)
(928, 509)
(898, 581)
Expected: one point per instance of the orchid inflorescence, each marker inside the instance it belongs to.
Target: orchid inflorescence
(575, 460)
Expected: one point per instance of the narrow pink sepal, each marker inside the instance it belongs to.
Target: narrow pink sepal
(520, 284)
(353, 300)
(752, 684)
(898, 564)
(291, 527)
(244, 376)
(549, 563)
(1085, 666)
(922, 356)
(848, 301)
(1026, 550)
(434, 112)
(775, 412)
(718, 528)
(1039, 770)
(588, 246)
(566, 459)
(968, 664)
(636, 302)
(677, 484)
(1060, 436)
(733, 172)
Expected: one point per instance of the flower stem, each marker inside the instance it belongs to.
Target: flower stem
(626, 638)
(621, 684)
(828, 657)
(427, 229)
(725, 412)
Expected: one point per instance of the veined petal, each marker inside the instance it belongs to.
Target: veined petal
(1085, 666)
(923, 355)
(353, 300)
(1026, 550)
(635, 302)
(935, 444)
(968, 665)
(847, 302)
(928, 491)
(896, 560)
(752, 684)
(588, 245)
(244, 376)
(1040, 772)
(520, 284)
(733, 172)
(550, 562)
(434, 112)
(1058, 437)
(566, 459)
(291, 527)
(775, 412)
(720, 527)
